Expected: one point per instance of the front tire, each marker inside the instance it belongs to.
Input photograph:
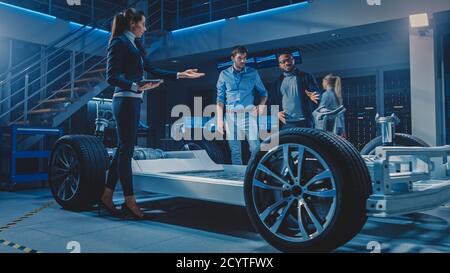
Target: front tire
(309, 193)
(77, 171)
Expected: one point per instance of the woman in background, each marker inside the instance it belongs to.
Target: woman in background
(332, 99)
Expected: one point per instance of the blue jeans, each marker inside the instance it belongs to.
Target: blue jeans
(296, 124)
(240, 126)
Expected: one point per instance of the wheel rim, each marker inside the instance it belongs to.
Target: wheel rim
(294, 202)
(65, 172)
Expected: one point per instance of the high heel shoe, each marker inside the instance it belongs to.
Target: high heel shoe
(127, 211)
(101, 206)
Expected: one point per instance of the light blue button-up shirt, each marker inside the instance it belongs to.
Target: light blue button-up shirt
(235, 88)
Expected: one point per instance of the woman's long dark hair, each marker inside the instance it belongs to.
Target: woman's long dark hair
(123, 19)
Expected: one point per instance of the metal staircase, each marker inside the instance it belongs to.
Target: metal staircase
(49, 97)
(50, 86)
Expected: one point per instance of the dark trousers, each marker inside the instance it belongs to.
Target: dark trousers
(295, 124)
(126, 112)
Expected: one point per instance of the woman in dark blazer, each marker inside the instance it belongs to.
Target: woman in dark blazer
(127, 62)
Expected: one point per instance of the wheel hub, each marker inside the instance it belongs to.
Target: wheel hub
(296, 191)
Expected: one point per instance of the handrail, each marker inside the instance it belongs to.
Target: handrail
(53, 69)
(51, 54)
(152, 4)
(30, 70)
(156, 12)
(55, 80)
(102, 22)
(54, 94)
(39, 53)
(50, 58)
(60, 49)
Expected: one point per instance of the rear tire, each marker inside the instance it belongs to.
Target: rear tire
(399, 140)
(77, 171)
(332, 207)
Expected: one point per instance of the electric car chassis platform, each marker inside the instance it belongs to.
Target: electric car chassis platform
(310, 193)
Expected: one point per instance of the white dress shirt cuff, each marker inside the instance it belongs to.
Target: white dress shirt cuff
(134, 87)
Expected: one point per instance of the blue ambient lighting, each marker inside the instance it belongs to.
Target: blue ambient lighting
(268, 11)
(28, 11)
(284, 8)
(89, 27)
(47, 16)
(198, 26)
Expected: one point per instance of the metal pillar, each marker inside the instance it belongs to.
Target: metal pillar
(380, 92)
(178, 13)
(72, 73)
(425, 110)
(210, 11)
(43, 80)
(25, 98)
(162, 15)
(8, 84)
(92, 12)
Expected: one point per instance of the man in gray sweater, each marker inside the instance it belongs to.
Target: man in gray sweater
(294, 91)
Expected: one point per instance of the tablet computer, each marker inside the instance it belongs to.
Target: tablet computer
(143, 82)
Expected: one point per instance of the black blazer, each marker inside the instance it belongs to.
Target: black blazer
(126, 64)
(305, 81)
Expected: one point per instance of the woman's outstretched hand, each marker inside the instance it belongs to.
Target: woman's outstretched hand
(150, 85)
(190, 74)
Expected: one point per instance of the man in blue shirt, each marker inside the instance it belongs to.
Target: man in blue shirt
(235, 93)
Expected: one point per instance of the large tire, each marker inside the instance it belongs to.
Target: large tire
(77, 170)
(214, 151)
(336, 199)
(399, 140)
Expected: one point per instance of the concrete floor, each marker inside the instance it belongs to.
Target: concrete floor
(181, 225)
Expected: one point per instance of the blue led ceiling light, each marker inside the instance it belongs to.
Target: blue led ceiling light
(89, 27)
(47, 16)
(198, 26)
(224, 65)
(28, 11)
(274, 10)
(268, 11)
(271, 57)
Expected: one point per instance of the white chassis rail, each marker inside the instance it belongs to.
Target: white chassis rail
(191, 174)
(404, 179)
(408, 179)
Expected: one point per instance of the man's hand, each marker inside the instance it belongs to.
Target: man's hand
(262, 109)
(258, 110)
(190, 74)
(282, 117)
(254, 111)
(150, 85)
(220, 127)
(313, 96)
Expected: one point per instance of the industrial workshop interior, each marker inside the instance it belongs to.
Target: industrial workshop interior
(257, 127)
